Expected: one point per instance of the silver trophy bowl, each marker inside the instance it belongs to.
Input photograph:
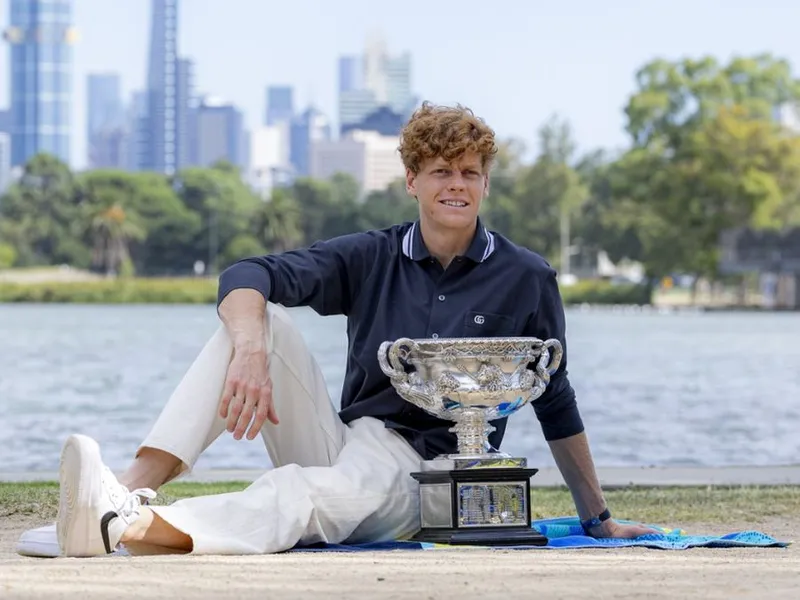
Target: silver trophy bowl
(470, 381)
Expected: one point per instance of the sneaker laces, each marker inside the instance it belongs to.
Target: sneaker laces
(125, 502)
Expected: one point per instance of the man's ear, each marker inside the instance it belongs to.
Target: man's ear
(486, 186)
(411, 183)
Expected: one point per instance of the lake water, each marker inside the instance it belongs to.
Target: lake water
(680, 389)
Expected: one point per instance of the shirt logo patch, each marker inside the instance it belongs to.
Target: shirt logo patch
(479, 319)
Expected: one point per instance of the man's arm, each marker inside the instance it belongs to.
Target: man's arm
(574, 460)
(323, 277)
(561, 422)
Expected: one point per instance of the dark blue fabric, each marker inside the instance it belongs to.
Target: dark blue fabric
(389, 286)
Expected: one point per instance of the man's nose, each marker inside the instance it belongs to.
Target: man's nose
(456, 181)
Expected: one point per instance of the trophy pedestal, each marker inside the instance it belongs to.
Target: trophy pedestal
(480, 500)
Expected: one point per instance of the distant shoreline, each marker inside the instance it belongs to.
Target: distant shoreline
(70, 286)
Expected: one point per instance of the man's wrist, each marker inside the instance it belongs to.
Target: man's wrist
(598, 524)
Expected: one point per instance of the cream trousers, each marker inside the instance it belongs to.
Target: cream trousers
(331, 482)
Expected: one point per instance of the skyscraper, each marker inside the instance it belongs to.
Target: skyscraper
(374, 82)
(165, 137)
(280, 105)
(351, 73)
(105, 122)
(185, 112)
(5, 161)
(40, 34)
(308, 128)
(219, 133)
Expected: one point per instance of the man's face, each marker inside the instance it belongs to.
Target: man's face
(449, 195)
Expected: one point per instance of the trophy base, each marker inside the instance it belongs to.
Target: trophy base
(476, 502)
(459, 462)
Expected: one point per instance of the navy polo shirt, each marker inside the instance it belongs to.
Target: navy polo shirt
(389, 286)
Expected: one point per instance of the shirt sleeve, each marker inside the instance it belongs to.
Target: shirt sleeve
(556, 409)
(325, 276)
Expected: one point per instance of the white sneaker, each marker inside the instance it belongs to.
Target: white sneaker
(94, 509)
(41, 542)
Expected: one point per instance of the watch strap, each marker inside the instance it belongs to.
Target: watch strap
(589, 524)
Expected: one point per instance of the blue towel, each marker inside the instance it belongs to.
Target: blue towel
(566, 532)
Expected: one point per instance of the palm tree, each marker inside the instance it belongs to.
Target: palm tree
(112, 231)
(278, 222)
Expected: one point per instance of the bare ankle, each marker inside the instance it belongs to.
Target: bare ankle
(150, 469)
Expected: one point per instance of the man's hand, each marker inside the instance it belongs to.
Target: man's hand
(612, 529)
(247, 395)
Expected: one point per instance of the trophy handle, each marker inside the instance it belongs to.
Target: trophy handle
(389, 355)
(548, 363)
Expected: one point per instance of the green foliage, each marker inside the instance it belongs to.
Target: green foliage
(596, 291)
(114, 291)
(189, 290)
(8, 256)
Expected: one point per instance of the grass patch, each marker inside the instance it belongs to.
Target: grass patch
(114, 291)
(653, 505)
(203, 290)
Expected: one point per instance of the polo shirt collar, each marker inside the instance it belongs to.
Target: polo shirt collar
(481, 247)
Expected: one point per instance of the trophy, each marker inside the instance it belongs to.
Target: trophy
(477, 496)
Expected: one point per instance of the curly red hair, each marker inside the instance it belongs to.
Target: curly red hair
(447, 132)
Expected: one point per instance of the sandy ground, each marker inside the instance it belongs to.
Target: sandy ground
(599, 574)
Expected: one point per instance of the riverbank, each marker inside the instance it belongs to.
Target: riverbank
(68, 286)
(442, 574)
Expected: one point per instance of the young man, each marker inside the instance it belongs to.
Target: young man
(340, 477)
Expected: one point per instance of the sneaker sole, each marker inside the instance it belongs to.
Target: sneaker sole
(41, 542)
(77, 535)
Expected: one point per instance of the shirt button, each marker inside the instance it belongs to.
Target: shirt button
(435, 336)
(441, 298)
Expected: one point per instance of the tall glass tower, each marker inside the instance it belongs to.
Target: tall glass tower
(40, 35)
(160, 152)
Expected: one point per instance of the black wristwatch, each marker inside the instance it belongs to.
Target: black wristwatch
(595, 521)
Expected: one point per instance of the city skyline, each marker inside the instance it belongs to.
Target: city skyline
(522, 65)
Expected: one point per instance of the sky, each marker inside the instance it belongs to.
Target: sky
(514, 62)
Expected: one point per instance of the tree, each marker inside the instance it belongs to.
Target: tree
(168, 228)
(224, 205)
(672, 98)
(40, 215)
(387, 207)
(112, 231)
(277, 222)
(547, 195)
(707, 157)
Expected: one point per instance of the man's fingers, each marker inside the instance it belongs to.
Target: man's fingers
(235, 409)
(266, 397)
(263, 410)
(272, 415)
(227, 395)
(246, 416)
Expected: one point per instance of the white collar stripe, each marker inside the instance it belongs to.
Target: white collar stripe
(408, 243)
(489, 245)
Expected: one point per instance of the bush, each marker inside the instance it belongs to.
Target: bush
(114, 291)
(8, 256)
(134, 290)
(598, 291)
